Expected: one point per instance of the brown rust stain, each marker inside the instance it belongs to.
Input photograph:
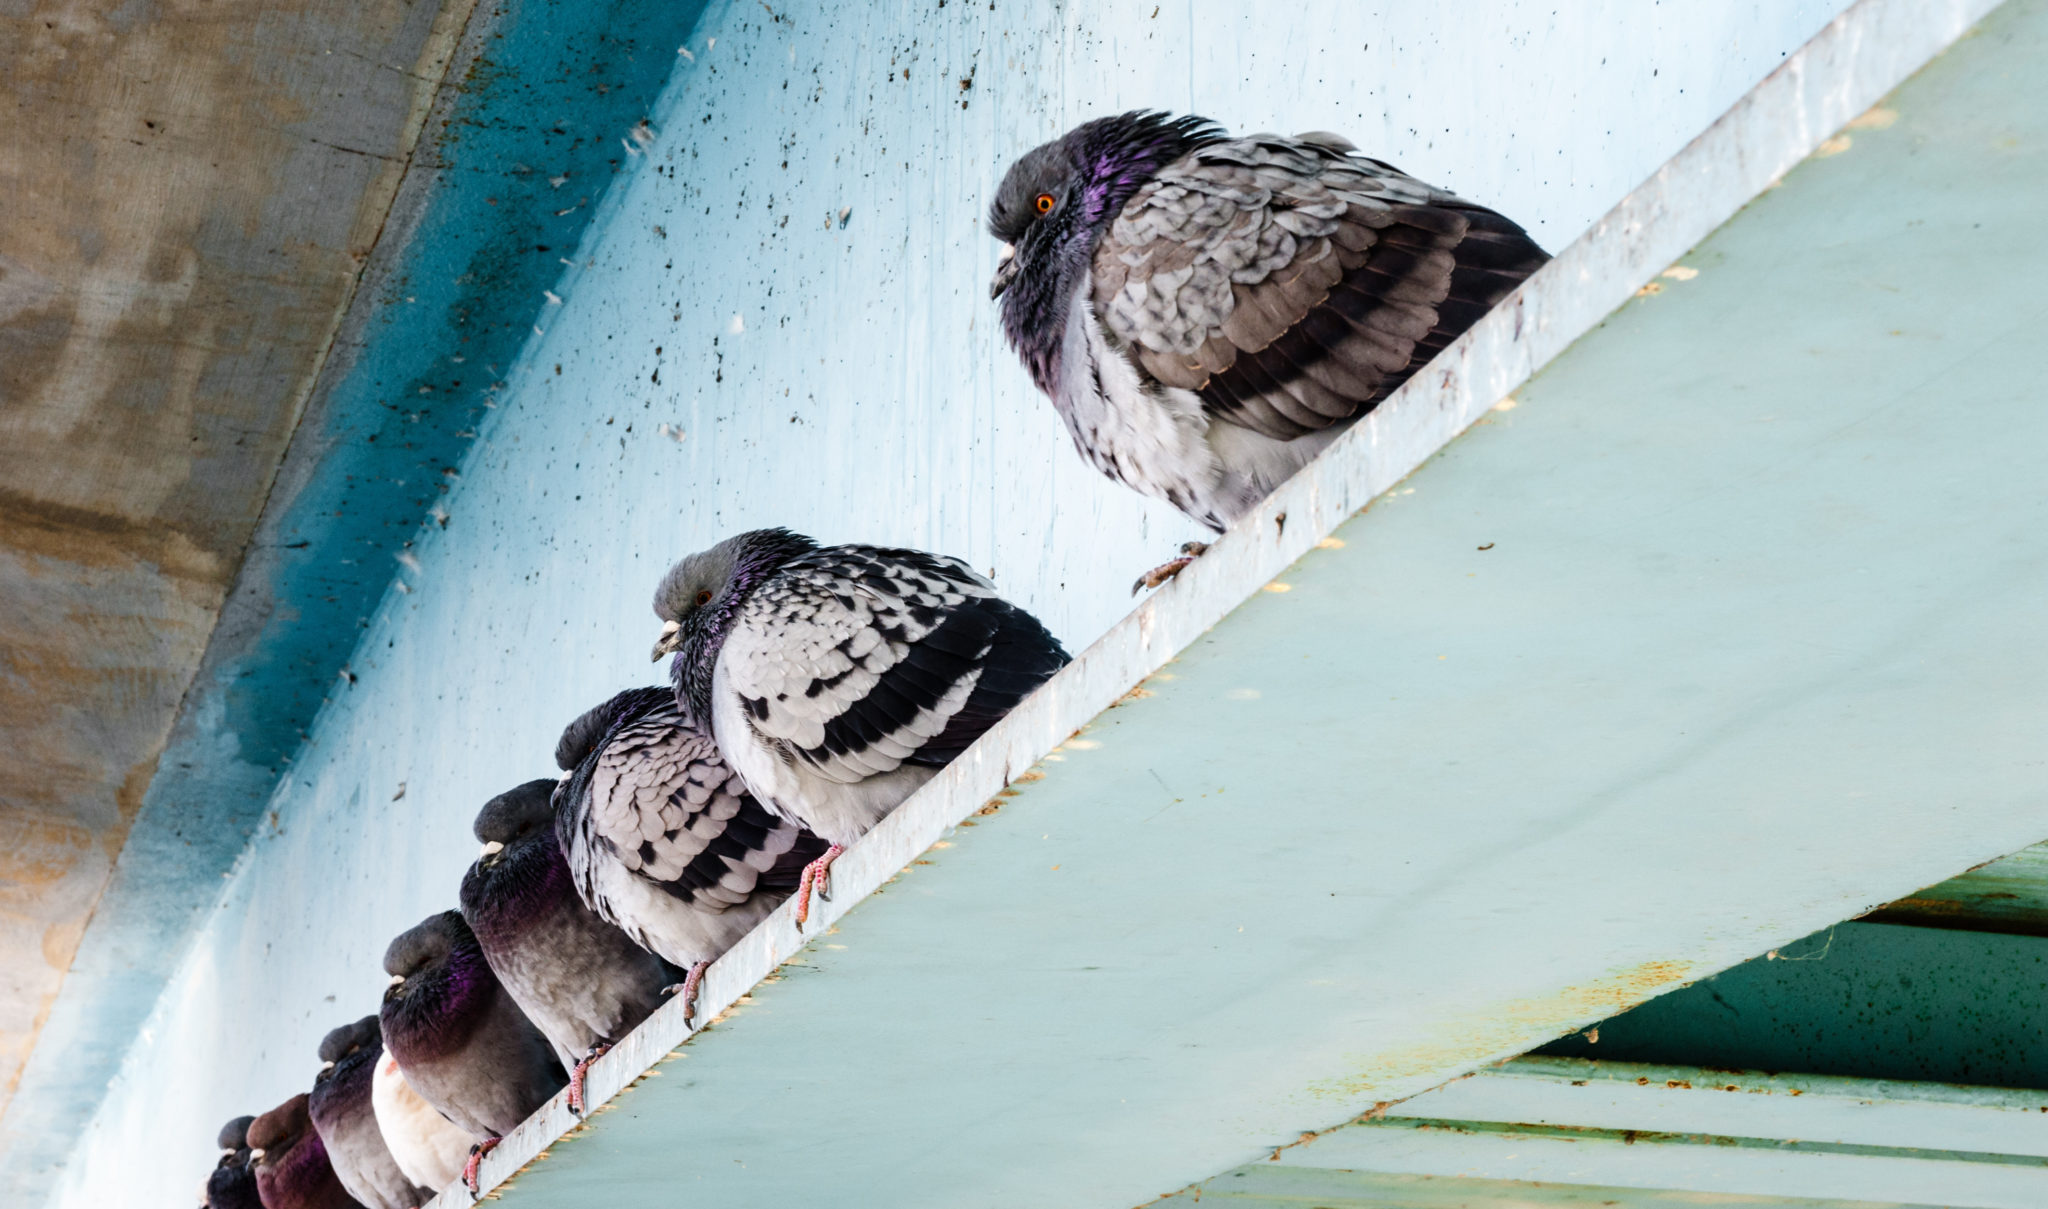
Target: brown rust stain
(1488, 1031)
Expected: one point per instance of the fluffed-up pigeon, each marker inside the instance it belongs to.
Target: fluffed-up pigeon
(232, 1182)
(342, 1113)
(575, 976)
(1208, 313)
(838, 679)
(292, 1169)
(462, 1042)
(428, 1147)
(662, 838)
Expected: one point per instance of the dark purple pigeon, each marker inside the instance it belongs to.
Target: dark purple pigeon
(292, 1171)
(232, 1183)
(340, 1107)
(578, 978)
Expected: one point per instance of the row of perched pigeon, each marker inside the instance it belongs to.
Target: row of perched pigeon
(1205, 313)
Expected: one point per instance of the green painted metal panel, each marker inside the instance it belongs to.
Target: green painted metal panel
(1263, 1186)
(2008, 895)
(1864, 999)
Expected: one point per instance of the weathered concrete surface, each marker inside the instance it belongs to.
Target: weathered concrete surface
(191, 191)
(532, 118)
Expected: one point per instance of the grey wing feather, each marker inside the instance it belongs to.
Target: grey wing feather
(1293, 284)
(856, 660)
(655, 797)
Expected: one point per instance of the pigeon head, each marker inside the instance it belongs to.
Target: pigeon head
(1052, 207)
(701, 596)
(520, 877)
(349, 1039)
(276, 1136)
(440, 987)
(583, 736)
(235, 1134)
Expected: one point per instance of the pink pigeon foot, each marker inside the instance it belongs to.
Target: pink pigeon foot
(1158, 575)
(687, 988)
(476, 1158)
(815, 879)
(581, 1069)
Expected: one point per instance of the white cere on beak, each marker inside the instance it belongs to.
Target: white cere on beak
(398, 980)
(255, 1154)
(1008, 252)
(325, 1067)
(670, 627)
(491, 849)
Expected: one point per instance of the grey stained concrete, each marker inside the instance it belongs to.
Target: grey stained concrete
(191, 193)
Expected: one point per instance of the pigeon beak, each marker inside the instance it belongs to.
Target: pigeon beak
(490, 850)
(1006, 272)
(326, 1067)
(671, 638)
(256, 1155)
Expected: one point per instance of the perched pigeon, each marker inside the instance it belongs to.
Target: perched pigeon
(662, 838)
(232, 1183)
(292, 1171)
(428, 1147)
(574, 975)
(462, 1042)
(341, 1111)
(1208, 313)
(839, 679)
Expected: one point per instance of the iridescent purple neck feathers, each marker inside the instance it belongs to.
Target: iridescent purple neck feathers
(1052, 207)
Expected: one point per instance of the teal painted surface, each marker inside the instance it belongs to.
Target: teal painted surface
(2008, 895)
(1263, 1186)
(1725, 631)
(1864, 999)
(1567, 1128)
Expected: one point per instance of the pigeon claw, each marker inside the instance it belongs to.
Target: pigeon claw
(579, 1071)
(1189, 552)
(816, 879)
(476, 1158)
(687, 988)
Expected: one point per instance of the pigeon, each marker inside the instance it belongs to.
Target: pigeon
(232, 1182)
(292, 1170)
(462, 1042)
(838, 679)
(575, 976)
(342, 1113)
(661, 836)
(1208, 313)
(428, 1147)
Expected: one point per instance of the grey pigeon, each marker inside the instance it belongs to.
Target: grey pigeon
(428, 1147)
(340, 1107)
(462, 1042)
(838, 679)
(232, 1182)
(663, 839)
(1208, 313)
(575, 976)
(292, 1169)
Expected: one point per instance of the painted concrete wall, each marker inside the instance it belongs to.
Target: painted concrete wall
(781, 317)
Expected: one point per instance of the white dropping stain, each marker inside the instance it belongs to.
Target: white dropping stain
(409, 561)
(556, 182)
(685, 52)
(737, 325)
(709, 43)
(671, 431)
(1243, 694)
(1082, 744)
(1276, 586)
(1680, 272)
(1506, 405)
(554, 299)
(1834, 146)
(1877, 117)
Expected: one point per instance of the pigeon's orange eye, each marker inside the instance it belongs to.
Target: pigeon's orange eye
(1045, 203)
(704, 598)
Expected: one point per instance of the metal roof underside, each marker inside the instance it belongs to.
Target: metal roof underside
(1724, 630)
